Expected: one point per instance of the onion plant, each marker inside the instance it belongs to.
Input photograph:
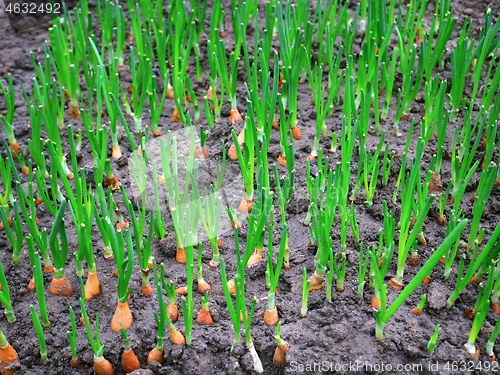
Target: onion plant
(246, 160)
(318, 92)
(433, 52)
(142, 244)
(15, 236)
(98, 139)
(8, 355)
(129, 361)
(286, 251)
(483, 261)
(65, 61)
(291, 54)
(419, 203)
(334, 63)
(407, 31)
(322, 225)
(110, 85)
(229, 76)
(450, 256)
(339, 272)
(410, 89)
(6, 174)
(288, 154)
(141, 79)
(30, 244)
(383, 316)
(432, 342)
(39, 333)
(484, 306)
(106, 212)
(101, 365)
(363, 265)
(211, 95)
(369, 63)
(348, 30)
(177, 195)
(203, 286)
(157, 352)
(40, 237)
(106, 15)
(383, 256)
(491, 341)
(418, 310)
(40, 292)
(261, 211)
(434, 93)
(49, 197)
(463, 153)
(406, 237)
(495, 294)
(187, 303)
(488, 42)
(483, 192)
(82, 212)
(158, 222)
(170, 289)
(435, 182)
(210, 218)
(59, 285)
(262, 106)
(362, 130)
(122, 317)
(5, 297)
(280, 352)
(235, 310)
(8, 121)
(204, 316)
(387, 80)
(50, 116)
(306, 286)
(370, 186)
(462, 58)
(271, 314)
(247, 321)
(74, 362)
(492, 82)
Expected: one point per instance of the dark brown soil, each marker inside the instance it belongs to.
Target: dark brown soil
(339, 333)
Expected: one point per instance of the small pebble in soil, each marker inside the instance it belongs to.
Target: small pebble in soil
(176, 352)
(298, 205)
(142, 371)
(437, 295)
(246, 362)
(214, 311)
(257, 270)
(238, 350)
(226, 110)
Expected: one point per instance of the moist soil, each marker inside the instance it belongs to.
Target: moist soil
(332, 334)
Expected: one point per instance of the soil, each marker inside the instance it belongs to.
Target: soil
(332, 334)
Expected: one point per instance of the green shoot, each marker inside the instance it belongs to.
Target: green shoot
(305, 294)
(5, 297)
(432, 342)
(72, 338)
(363, 265)
(39, 333)
(40, 292)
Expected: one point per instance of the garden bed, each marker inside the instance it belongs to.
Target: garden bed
(338, 333)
